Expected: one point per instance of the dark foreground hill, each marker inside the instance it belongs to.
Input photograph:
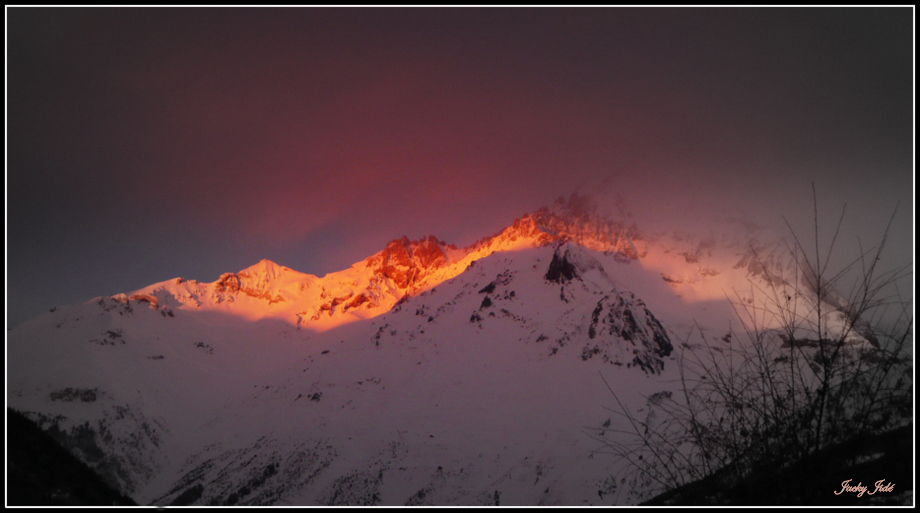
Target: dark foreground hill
(42, 473)
(814, 481)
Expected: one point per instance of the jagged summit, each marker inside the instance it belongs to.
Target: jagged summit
(571, 261)
(407, 263)
(404, 268)
(577, 218)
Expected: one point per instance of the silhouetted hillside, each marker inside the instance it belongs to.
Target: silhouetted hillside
(42, 473)
(812, 482)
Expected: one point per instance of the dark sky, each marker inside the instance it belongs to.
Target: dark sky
(145, 144)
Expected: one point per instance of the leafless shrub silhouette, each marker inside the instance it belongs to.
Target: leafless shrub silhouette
(757, 405)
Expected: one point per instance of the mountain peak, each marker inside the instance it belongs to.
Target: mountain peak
(572, 261)
(264, 267)
(578, 219)
(262, 280)
(407, 262)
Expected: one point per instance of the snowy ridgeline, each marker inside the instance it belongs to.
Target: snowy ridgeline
(425, 374)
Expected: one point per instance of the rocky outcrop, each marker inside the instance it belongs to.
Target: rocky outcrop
(560, 269)
(406, 262)
(576, 218)
(623, 328)
(570, 261)
(228, 282)
(145, 298)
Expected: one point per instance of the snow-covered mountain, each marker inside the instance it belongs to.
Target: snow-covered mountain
(372, 286)
(424, 374)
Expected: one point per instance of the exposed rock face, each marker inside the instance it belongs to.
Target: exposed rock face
(578, 219)
(622, 329)
(147, 298)
(570, 261)
(228, 282)
(530, 226)
(560, 269)
(359, 300)
(397, 261)
(621, 318)
(428, 253)
(400, 269)
(408, 262)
